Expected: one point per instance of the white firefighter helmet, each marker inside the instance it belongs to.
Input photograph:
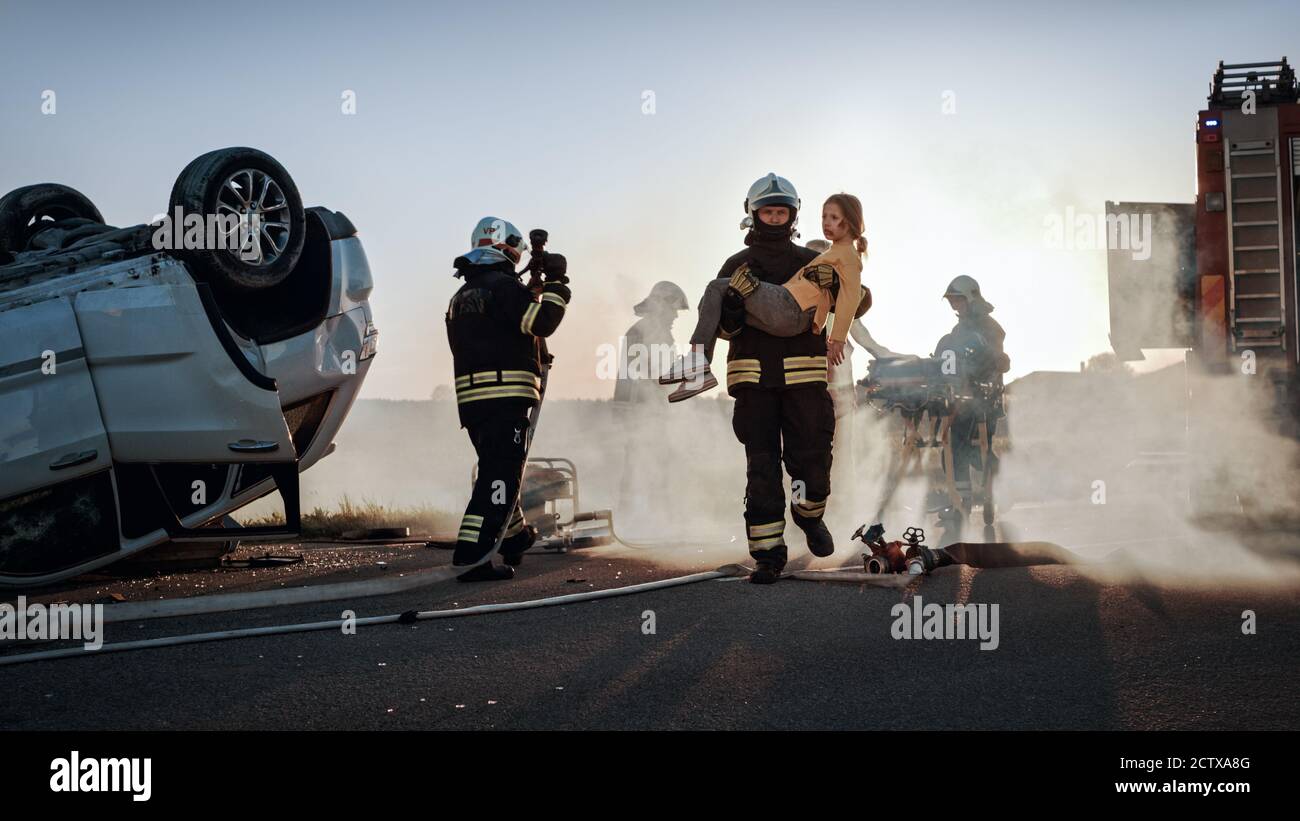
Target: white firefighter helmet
(771, 190)
(494, 232)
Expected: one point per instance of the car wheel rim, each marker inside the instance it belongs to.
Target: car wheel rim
(254, 198)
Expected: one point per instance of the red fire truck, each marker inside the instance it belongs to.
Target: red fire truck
(1220, 279)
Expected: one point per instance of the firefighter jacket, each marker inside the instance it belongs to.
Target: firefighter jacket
(758, 359)
(976, 341)
(495, 326)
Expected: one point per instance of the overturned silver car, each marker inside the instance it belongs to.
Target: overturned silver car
(149, 388)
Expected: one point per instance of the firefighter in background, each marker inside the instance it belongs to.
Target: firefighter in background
(974, 345)
(648, 346)
(782, 405)
(495, 325)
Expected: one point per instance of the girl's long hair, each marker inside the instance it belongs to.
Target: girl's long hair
(851, 207)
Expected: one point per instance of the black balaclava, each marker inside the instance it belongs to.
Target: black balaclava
(762, 232)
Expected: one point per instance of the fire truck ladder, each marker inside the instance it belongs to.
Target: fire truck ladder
(1255, 236)
(1269, 82)
(1295, 234)
(1258, 312)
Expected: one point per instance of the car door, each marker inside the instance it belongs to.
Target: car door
(170, 388)
(182, 406)
(56, 500)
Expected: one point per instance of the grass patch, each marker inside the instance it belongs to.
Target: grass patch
(322, 523)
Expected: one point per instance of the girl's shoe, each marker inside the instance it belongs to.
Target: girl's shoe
(694, 386)
(688, 366)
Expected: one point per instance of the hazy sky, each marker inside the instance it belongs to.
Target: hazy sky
(534, 112)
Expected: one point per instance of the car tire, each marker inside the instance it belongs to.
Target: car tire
(242, 181)
(25, 211)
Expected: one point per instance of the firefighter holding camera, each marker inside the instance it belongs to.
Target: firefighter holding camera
(496, 326)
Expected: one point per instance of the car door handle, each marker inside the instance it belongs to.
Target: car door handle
(73, 459)
(253, 446)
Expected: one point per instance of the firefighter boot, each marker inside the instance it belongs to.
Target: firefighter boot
(807, 516)
(488, 572)
(766, 571)
(820, 542)
(513, 547)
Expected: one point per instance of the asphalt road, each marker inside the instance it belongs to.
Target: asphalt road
(1076, 650)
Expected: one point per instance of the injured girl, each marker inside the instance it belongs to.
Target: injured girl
(831, 283)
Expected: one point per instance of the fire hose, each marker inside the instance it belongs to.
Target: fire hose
(407, 617)
(982, 555)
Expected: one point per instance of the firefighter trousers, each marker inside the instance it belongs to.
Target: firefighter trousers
(794, 425)
(965, 452)
(501, 441)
